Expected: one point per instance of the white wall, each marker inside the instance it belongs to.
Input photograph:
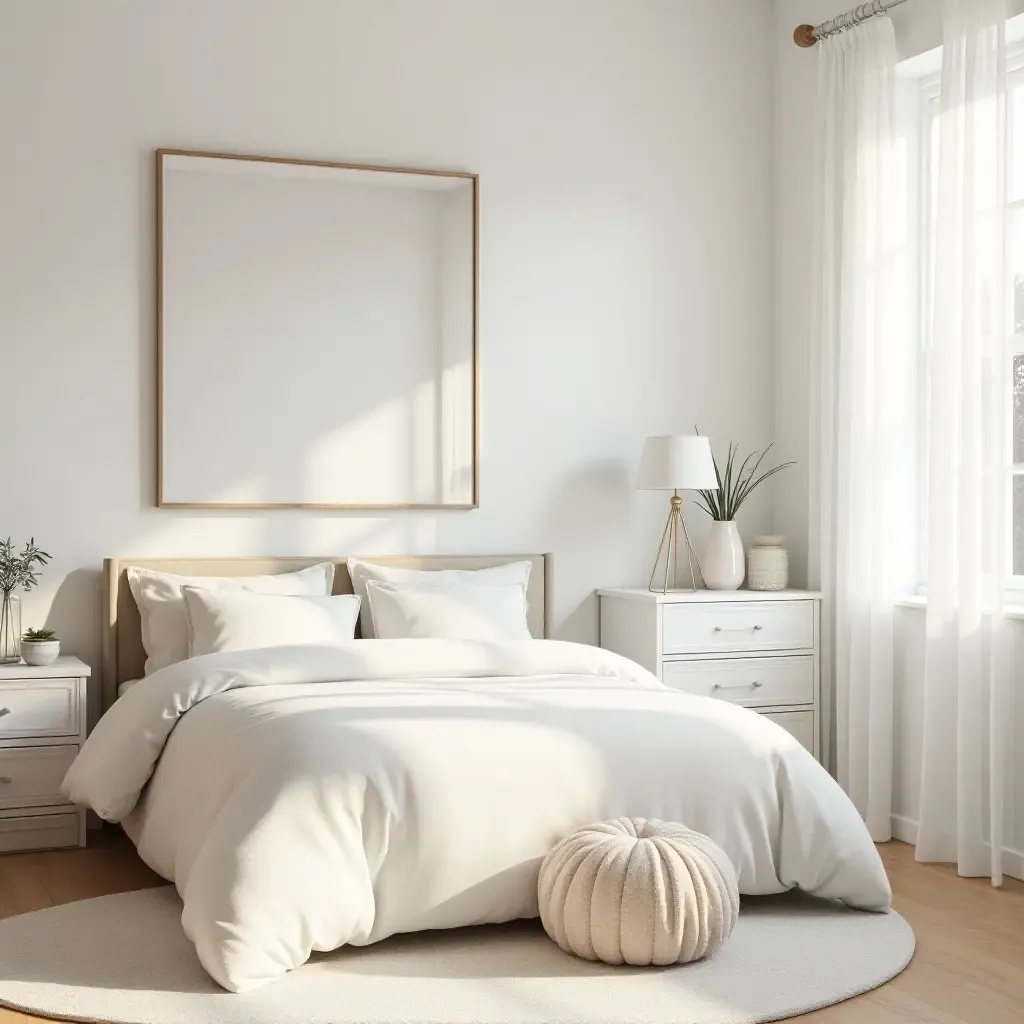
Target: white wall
(918, 28)
(625, 253)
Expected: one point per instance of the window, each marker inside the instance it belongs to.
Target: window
(927, 192)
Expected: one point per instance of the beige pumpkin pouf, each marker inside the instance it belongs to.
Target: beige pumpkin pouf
(638, 891)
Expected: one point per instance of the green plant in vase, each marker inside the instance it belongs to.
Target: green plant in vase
(723, 565)
(18, 571)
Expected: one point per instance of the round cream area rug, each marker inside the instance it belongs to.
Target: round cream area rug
(124, 958)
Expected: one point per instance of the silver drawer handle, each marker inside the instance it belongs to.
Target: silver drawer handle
(736, 629)
(4, 711)
(737, 686)
(5, 779)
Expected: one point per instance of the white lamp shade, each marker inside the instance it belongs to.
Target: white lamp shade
(677, 463)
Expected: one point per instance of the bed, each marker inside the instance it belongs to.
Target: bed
(303, 798)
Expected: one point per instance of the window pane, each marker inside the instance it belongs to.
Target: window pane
(1018, 408)
(1017, 142)
(931, 220)
(1016, 256)
(1018, 526)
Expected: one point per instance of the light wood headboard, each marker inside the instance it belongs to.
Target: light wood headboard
(124, 656)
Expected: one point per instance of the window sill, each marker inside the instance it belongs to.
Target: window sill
(1013, 609)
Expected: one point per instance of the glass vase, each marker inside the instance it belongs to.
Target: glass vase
(10, 629)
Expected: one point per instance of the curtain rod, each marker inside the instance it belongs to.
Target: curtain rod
(808, 35)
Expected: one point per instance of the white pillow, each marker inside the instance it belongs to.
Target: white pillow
(123, 688)
(448, 611)
(162, 610)
(237, 621)
(362, 572)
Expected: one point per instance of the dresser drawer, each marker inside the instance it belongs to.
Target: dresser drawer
(31, 776)
(42, 707)
(754, 682)
(737, 626)
(799, 724)
(39, 832)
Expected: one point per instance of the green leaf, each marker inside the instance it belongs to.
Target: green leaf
(735, 482)
(724, 483)
(745, 490)
(39, 634)
(705, 505)
(771, 472)
(738, 484)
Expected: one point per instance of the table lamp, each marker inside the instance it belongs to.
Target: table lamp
(679, 463)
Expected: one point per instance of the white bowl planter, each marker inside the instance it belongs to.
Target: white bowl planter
(40, 652)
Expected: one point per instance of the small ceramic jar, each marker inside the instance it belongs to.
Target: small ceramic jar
(767, 564)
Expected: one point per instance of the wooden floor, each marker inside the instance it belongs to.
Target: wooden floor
(968, 969)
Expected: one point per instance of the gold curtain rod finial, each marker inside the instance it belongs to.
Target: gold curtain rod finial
(804, 36)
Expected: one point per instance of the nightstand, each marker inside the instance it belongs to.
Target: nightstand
(42, 728)
(755, 648)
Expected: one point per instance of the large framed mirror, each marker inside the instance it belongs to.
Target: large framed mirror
(316, 334)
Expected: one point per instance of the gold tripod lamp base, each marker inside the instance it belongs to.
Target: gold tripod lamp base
(669, 546)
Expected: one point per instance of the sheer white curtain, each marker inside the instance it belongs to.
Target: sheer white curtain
(861, 418)
(968, 658)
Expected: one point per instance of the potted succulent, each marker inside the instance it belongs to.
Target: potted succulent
(39, 646)
(723, 565)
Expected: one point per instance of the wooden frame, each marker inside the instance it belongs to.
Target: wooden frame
(163, 153)
(124, 656)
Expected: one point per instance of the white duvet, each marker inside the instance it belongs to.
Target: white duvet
(318, 796)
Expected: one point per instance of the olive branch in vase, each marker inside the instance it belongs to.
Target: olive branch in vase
(17, 572)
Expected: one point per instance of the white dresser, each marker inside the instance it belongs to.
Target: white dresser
(42, 728)
(758, 649)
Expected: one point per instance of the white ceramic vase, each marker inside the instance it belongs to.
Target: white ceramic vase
(722, 565)
(40, 652)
